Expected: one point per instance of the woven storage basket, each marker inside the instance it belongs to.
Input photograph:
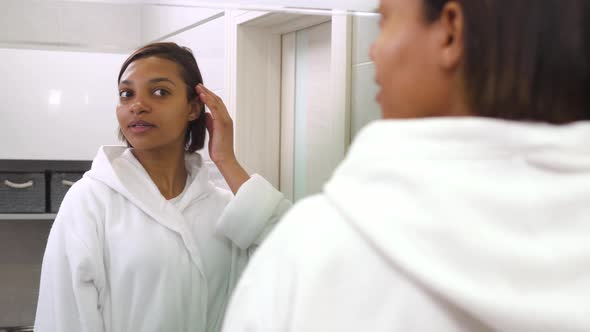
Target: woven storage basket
(60, 183)
(22, 192)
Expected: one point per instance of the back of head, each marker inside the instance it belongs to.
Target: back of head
(485, 215)
(526, 60)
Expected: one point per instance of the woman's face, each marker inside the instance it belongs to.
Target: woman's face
(409, 61)
(153, 109)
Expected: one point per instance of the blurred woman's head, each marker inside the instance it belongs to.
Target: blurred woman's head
(526, 60)
(158, 105)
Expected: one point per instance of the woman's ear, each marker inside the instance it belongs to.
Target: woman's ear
(452, 26)
(196, 109)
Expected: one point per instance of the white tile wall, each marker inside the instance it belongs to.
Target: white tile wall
(57, 105)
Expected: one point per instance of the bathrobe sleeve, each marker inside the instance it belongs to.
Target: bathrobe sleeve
(252, 213)
(71, 279)
(264, 298)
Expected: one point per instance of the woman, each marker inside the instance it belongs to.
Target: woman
(467, 208)
(144, 242)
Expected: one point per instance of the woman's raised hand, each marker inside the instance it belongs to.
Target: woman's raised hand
(221, 139)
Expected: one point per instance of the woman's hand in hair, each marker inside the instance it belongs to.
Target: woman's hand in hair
(221, 139)
(219, 125)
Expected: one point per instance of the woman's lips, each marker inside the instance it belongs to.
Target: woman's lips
(139, 127)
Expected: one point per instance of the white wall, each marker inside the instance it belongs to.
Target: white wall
(69, 26)
(56, 104)
(364, 108)
(161, 21)
(207, 42)
(357, 5)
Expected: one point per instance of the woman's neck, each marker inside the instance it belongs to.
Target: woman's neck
(166, 167)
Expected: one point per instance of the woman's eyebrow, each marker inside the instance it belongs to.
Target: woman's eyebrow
(162, 79)
(153, 80)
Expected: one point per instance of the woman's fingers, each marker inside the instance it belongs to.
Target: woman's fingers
(210, 93)
(219, 125)
(208, 97)
(209, 123)
(214, 103)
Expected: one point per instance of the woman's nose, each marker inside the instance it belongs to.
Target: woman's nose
(139, 107)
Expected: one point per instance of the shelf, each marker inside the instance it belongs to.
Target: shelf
(27, 216)
(34, 166)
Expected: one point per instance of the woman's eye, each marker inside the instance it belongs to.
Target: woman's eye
(125, 94)
(161, 92)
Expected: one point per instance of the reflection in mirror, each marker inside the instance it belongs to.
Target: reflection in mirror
(51, 46)
(296, 79)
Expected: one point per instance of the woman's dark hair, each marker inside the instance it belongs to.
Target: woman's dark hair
(525, 59)
(194, 138)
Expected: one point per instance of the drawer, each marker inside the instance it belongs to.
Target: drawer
(22, 192)
(59, 184)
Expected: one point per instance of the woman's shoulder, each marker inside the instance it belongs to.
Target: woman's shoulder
(86, 189)
(86, 199)
(82, 213)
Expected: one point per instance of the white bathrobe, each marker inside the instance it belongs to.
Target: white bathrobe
(446, 225)
(122, 258)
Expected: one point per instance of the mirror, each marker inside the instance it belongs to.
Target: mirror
(60, 59)
(272, 62)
